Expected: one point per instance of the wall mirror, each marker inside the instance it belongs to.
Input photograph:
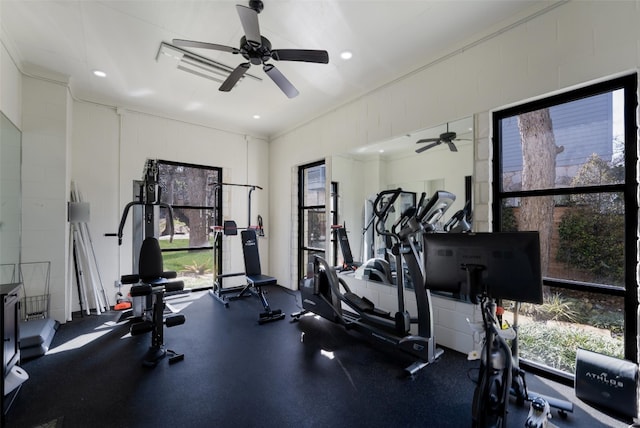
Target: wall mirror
(10, 200)
(358, 175)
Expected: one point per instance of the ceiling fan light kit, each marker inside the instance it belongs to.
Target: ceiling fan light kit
(256, 50)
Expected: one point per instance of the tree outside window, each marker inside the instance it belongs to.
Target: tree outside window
(191, 192)
(562, 169)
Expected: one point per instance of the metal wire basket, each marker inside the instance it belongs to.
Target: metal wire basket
(34, 277)
(34, 307)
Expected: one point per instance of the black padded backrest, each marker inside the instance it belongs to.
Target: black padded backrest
(250, 252)
(230, 228)
(343, 239)
(150, 263)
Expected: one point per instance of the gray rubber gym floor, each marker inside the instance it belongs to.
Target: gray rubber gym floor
(310, 373)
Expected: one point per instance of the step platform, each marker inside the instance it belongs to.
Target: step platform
(36, 336)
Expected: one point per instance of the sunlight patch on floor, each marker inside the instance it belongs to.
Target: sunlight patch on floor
(78, 342)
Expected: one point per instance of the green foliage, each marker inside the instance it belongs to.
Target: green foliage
(176, 243)
(598, 172)
(556, 308)
(556, 345)
(607, 315)
(590, 241)
(201, 267)
(591, 230)
(612, 321)
(593, 242)
(508, 222)
(179, 261)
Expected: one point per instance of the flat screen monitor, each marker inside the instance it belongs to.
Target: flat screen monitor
(509, 264)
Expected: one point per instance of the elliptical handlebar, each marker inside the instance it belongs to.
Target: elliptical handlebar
(381, 208)
(429, 213)
(422, 217)
(409, 221)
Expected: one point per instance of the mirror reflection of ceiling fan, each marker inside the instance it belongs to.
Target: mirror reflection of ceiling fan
(256, 49)
(447, 137)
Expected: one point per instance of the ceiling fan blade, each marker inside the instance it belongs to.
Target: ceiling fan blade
(249, 20)
(427, 140)
(279, 79)
(233, 78)
(452, 146)
(427, 147)
(305, 55)
(204, 45)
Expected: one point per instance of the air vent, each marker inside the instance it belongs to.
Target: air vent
(196, 64)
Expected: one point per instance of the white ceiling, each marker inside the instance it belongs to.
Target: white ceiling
(389, 39)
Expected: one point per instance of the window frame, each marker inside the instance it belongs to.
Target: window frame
(335, 215)
(216, 209)
(629, 84)
(302, 209)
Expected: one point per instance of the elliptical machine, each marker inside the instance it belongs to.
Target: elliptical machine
(324, 293)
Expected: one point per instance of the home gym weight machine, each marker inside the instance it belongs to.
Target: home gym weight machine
(255, 280)
(322, 293)
(149, 282)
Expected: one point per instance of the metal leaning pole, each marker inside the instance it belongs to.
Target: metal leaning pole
(84, 257)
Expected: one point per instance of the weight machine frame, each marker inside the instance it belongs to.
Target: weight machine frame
(218, 291)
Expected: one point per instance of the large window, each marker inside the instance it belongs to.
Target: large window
(196, 207)
(336, 258)
(312, 221)
(566, 167)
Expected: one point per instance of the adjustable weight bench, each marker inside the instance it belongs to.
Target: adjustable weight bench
(150, 285)
(347, 256)
(255, 279)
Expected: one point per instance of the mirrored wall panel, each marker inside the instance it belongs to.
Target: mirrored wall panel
(427, 160)
(10, 200)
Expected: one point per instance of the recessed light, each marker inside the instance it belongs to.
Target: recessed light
(346, 55)
(256, 116)
(99, 73)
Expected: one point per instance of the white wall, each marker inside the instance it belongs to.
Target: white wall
(45, 184)
(10, 106)
(110, 147)
(10, 88)
(41, 110)
(571, 44)
(103, 149)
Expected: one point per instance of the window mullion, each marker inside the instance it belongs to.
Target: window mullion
(592, 246)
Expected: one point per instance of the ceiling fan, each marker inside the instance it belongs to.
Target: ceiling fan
(446, 137)
(256, 49)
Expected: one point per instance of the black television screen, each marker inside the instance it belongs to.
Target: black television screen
(510, 264)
